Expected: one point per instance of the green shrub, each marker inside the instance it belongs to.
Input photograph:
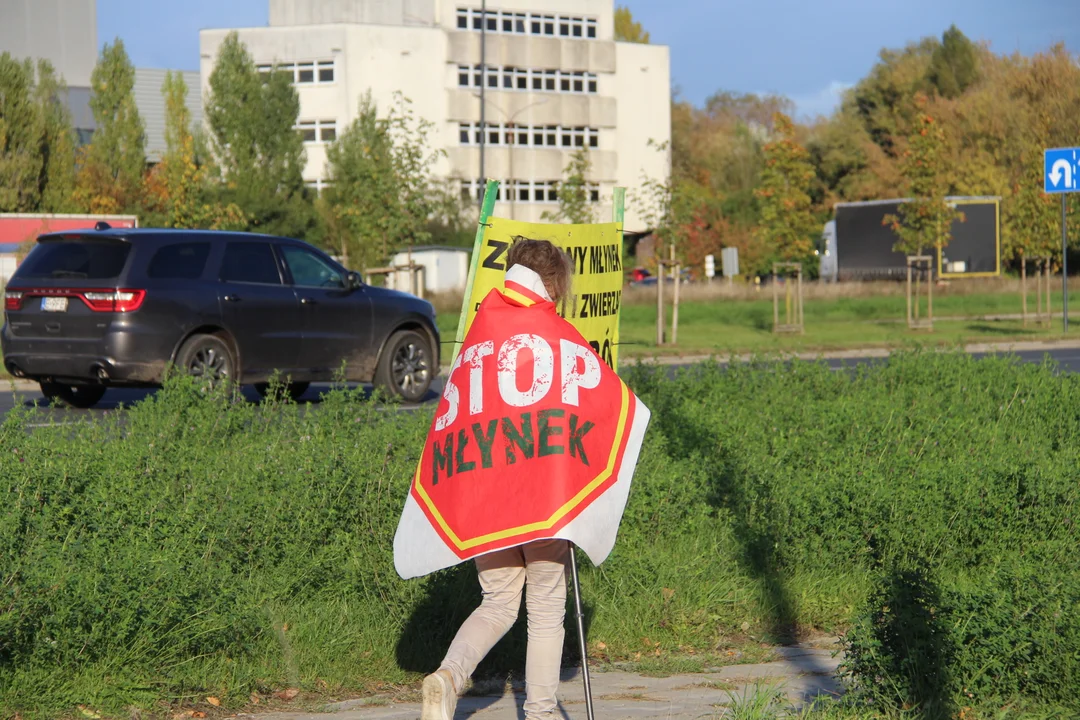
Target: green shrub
(1001, 633)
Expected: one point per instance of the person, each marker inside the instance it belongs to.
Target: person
(539, 567)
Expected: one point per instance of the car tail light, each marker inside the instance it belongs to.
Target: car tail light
(13, 300)
(114, 300)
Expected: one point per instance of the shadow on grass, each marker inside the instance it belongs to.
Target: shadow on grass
(749, 505)
(899, 653)
(1000, 330)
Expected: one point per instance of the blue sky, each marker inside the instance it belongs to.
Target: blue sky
(808, 50)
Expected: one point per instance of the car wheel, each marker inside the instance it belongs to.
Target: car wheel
(76, 396)
(296, 390)
(208, 358)
(405, 367)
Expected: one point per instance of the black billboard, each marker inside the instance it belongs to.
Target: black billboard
(864, 244)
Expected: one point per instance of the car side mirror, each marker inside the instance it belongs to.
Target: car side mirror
(354, 281)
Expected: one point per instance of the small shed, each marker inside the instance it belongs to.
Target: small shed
(445, 269)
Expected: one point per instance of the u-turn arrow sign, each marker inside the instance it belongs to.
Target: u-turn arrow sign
(1060, 170)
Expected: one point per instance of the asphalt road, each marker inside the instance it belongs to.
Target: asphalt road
(1067, 358)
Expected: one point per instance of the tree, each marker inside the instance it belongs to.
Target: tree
(884, 99)
(381, 196)
(953, 64)
(21, 161)
(626, 30)
(259, 155)
(57, 180)
(112, 165)
(176, 189)
(926, 220)
(787, 220)
(37, 161)
(1033, 218)
(575, 196)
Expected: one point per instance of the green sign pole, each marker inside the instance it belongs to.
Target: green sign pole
(491, 192)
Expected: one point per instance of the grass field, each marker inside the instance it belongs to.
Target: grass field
(194, 547)
(722, 325)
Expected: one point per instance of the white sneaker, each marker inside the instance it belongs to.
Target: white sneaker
(440, 699)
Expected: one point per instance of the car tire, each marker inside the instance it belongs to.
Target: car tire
(406, 366)
(296, 390)
(76, 396)
(207, 357)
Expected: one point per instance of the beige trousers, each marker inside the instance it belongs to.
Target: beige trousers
(540, 567)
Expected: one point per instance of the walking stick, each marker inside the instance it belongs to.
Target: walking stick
(581, 634)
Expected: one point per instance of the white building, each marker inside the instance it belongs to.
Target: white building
(556, 81)
(445, 269)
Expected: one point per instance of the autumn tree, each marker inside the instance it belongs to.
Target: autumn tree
(686, 218)
(883, 101)
(925, 221)
(111, 167)
(1040, 100)
(381, 195)
(953, 64)
(1033, 218)
(626, 30)
(177, 188)
(576, 205)
(787, 222)
(259, 155)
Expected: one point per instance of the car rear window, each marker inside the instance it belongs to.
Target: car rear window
(182, 261)
(75, 259)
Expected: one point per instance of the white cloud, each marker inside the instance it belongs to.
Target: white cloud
(823, 102)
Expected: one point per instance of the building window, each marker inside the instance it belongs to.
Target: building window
(317, 131)
(317, 185)
(523, 191)
(530, 136)
(316, 72)
(519, 23)
(528, 79)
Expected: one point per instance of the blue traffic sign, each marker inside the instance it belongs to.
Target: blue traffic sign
(1060, 167)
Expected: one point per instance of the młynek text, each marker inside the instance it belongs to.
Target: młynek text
(578, 370)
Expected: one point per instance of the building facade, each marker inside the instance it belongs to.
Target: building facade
(64, 32)
(556, 82)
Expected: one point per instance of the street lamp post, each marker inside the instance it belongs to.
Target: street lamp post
(510, 126)
(483, 91)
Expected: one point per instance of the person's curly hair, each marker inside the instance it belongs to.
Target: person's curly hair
(552, 264)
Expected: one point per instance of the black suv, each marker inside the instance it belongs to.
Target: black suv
(114, 307)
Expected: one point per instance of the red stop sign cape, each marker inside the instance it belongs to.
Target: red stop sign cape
(534, 437)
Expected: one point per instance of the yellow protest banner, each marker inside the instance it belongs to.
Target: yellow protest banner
(596, 292)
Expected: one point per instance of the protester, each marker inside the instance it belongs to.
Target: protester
(536, 268)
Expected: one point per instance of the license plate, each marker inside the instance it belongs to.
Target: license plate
(54, 304)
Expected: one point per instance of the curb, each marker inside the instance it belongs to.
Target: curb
(856, 353)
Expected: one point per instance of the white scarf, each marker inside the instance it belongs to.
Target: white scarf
(529, 279)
